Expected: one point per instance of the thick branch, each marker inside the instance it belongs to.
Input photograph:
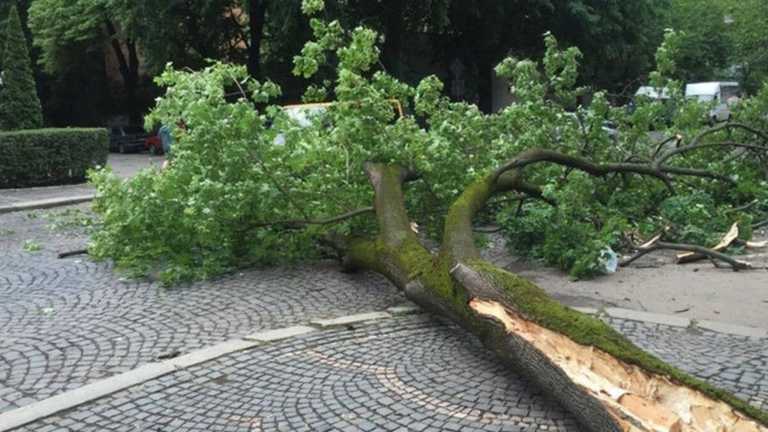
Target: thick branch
(458, 234)
(512, 182)
(389, 202)
(534, 156)
(726, 126)
(692, 147)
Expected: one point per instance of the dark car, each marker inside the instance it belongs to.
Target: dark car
(127, 139)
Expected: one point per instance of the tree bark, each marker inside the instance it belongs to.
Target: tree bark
(257, 14)
(604, 380)
(128, 67)
(393, 27)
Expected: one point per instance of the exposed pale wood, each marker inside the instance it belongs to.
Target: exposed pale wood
(725, 242)
(639, 401)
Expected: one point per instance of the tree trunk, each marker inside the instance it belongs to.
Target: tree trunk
(604, 380)
(485, 84)
(129, 69)
(257, 13)
(394, 36)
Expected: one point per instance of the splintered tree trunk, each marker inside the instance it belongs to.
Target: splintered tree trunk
(604, 380)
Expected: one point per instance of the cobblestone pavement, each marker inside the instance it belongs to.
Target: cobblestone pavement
(407, 374)
(736, 363)
(64, 323)
(124, 165)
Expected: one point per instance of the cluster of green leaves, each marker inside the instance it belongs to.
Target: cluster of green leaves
(244, 171)
(69, 219)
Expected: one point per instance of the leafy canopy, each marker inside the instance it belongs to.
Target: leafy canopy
(244, 173)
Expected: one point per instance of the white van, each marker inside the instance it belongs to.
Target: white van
(721, 94)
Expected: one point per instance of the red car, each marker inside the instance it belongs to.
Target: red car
(153, 144)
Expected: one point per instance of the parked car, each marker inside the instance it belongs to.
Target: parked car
(127, 139)
(154, 144)
(721, 94)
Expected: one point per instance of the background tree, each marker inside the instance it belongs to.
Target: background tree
(66, 30)
(19, 103)
(749, 20)
(5, 9)
(618, 38)
(705, 50)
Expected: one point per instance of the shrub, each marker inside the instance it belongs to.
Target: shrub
(50, 156)
(19, 103)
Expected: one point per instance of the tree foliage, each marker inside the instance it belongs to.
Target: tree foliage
(234, 194)
(705, 48)
(19, 103)
(749, 38)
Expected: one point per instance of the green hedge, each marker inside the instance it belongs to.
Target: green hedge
(44, 157)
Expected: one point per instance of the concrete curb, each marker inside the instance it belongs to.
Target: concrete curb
(677, 321)
(46, 203)
(350, 319)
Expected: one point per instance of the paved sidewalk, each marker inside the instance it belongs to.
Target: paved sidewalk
(124, 165)
(65, 323)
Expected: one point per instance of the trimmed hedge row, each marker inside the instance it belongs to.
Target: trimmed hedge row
(43, 157)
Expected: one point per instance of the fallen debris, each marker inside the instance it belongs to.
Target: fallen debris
(73, 253)
(693, 252)
(757, 245)
(725, 242)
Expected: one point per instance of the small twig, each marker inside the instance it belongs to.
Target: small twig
(680, 150)
(760, 224)
(242, 92)
(744, 207)
(661, 145)
(73, 253)
(487, 230)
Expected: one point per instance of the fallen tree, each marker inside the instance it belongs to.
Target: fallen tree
(598, 375)
(273, 188)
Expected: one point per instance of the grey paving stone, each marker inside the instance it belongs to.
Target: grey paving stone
(66, 323)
